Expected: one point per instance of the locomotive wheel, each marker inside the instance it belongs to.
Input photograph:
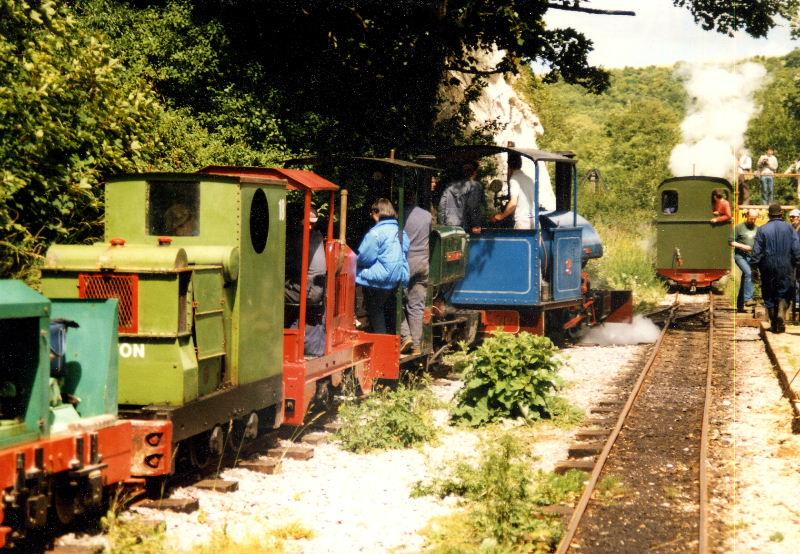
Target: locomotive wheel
(323, 398)
(206, 448)
(243, 431)
(65, 500)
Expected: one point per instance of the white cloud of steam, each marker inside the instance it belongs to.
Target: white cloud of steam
(721, 104)
(640, 331)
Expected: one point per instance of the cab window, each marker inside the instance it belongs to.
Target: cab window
(173, 208)
(669, 202)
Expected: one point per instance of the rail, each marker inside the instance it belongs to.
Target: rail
(583, 503)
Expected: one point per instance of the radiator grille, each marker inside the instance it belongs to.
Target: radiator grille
(125, 288)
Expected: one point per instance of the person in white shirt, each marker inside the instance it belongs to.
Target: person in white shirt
(521, 195)
(767, 166)
(745, 166)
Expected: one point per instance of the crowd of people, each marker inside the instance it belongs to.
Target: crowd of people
(765, 171)
(389, 257)
(771, 252)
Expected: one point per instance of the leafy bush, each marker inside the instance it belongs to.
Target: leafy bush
(388, 419)
(67, 117)
(508, 376)
(504, 501)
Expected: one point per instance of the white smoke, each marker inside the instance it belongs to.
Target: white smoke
(640, 331)
(721, 104)
(500, 104)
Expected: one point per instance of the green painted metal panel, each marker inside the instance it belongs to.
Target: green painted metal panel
(60, 284)
(168, 367)
(129, 210)
(24, 364)
(19, 300)
(443, 241)
(257, 324)
(159, 306)
(209, 329)
(91, 361)
(702, 244)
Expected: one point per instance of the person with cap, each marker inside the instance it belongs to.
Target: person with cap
(776, 251)
(521, 193)
(794, 219)
(317, 270)
(294, 258)
(462, 202)
(744, 236)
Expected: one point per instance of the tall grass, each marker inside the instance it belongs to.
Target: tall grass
(628, 263)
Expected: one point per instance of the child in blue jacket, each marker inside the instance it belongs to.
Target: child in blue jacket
(382, 264)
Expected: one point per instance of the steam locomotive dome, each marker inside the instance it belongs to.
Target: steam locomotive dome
(591, 245)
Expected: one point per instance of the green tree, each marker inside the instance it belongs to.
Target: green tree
(66, 120)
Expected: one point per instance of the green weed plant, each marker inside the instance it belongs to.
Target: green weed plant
(388, 419)
(508, 376)
(503, 503)
(628, 263)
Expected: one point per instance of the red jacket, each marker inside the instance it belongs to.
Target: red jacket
(723, 208)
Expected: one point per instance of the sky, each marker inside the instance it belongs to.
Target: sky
(661, 34)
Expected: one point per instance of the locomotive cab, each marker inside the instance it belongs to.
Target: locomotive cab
(684, 215)
(531, 279)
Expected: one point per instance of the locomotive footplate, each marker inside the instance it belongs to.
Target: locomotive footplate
(216, 408)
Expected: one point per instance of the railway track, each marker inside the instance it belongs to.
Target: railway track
(657, 452)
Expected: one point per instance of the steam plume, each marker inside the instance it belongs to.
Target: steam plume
(640, 331)
(720, 105)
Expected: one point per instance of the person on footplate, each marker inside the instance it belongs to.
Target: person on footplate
(462, 202)
(744, 236)
(776, 252)
(720, 207)
(418, 229)
(382, 263)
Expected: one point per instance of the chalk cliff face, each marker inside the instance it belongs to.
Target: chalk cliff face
(501, 106)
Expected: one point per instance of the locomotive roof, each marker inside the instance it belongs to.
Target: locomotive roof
(299, 179)
(405, 164)
(705, 178)
(472, 151)
(174, 176)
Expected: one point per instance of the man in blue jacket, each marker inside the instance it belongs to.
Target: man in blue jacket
(776, 252)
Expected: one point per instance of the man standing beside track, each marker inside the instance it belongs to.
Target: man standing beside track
(744, 236)
(776, 251)
(767, 166)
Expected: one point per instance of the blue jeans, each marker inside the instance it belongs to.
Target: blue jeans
(746, 288)
(767, 188)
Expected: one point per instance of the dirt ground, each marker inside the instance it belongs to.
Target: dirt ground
(362, 503)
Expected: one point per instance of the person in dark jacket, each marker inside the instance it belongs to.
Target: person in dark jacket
(462, 202)
(381, 264)
(776, 252)
(418, 229)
